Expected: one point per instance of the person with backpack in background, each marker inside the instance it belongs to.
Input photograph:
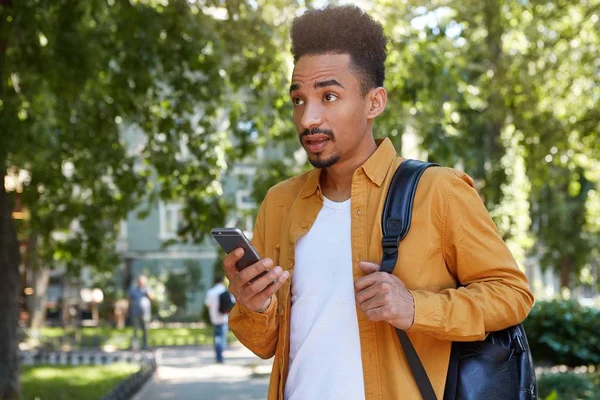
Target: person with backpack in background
(219, 302)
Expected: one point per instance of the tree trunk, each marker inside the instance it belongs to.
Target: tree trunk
(10, 386)
(9, 302)
(496, 111)
(40, 278)
(565, 273)
(37, 301)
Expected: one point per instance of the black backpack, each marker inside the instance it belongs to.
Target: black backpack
(225, 302)
(498, 368)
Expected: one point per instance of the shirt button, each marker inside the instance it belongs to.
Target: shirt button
(358, 211)
(304, 225)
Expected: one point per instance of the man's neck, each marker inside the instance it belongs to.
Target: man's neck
(336, 181)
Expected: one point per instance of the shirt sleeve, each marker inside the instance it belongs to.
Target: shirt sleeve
(257, 331)
(493, 293)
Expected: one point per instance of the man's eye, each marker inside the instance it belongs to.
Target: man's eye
(297, 101)
(330, 97)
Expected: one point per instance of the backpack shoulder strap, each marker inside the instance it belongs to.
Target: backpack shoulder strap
(397, 211)
(395, 223)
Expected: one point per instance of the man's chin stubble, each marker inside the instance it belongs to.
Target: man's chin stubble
(324, 163)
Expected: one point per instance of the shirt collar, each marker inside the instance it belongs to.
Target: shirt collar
(375, 168)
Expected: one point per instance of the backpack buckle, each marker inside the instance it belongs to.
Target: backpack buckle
(390, 244)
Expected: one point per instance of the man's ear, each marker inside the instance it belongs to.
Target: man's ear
(377, 102)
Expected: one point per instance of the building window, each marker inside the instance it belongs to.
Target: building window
(170, 219)
(244, 200)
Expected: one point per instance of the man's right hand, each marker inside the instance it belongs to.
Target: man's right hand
(253, 294)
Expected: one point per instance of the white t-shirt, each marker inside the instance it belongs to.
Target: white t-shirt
(212, 302)
(325, 356)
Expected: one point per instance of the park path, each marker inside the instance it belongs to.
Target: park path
(191, 373)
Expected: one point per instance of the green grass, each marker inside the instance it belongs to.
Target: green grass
(121, 338)
(72, 383)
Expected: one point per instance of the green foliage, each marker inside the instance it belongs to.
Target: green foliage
(108, 104)
(497, 87)
(509, 93)
(271, 173)
(180, 285)
(176, 286)
(100, 99)
(105, 281)
(567, 386)
(563, 332)
(560, 208)
(68, 382)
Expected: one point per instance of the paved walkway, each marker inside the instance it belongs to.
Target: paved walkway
(190, 373)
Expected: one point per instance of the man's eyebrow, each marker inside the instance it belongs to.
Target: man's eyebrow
(317, 85)
(331, 82)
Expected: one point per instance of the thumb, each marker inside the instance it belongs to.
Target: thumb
(368, 267)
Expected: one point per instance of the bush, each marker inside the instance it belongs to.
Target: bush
(568, 386)
(563, 332)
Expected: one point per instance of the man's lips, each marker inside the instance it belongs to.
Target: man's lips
(314, 139)
(315, 143)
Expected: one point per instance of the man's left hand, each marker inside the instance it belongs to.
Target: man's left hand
(384, 297)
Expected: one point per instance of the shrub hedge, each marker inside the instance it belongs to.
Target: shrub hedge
(568, 386)
(562, 332)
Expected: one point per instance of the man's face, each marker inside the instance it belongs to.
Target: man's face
(330, 112)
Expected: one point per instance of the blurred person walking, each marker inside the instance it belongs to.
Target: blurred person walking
(140, 297)
(219, 302)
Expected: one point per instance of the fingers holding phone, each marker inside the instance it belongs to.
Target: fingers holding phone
(230, 261)
(253, 286)
(250, 272)
(252, 280)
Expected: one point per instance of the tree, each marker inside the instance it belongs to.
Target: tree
(556, 102)
(73, 74)
(179, 286)
(508, 92)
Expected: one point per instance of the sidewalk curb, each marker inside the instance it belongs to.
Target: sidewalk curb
(128, 387)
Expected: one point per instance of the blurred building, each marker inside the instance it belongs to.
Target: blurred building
(142, 242)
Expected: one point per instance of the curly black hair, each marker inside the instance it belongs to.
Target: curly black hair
(343, 30)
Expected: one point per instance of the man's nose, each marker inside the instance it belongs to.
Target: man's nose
(312, 116)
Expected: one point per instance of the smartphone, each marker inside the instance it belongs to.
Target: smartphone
(230, 239)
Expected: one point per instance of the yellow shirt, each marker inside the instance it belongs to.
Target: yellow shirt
(452, 239)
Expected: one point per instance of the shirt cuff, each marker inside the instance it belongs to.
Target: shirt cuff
(262, 317)
(428, 312)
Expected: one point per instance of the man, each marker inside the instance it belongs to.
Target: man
(217, 318)
(332, 326)
(140, 309)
